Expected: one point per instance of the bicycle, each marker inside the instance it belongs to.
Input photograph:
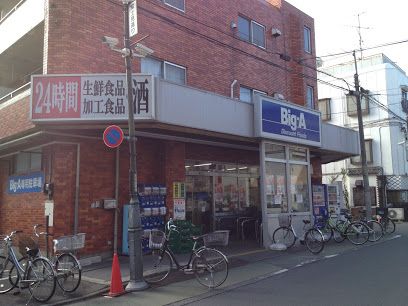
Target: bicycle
(355, 231)
(38, 274)
(209, 265)
(375, 228)
(328, 228)
(66, 265)
(387, 223)
(285, 234)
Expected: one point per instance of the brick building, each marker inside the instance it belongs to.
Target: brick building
(217, 69)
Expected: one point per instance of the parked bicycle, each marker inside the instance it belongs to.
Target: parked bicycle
(387, 223)
(356, 232)
(375, 228)
(285, 234)
(209, 265)
(66, 265)
(37, 274)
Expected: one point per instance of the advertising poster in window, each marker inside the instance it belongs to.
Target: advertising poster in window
(179, 209)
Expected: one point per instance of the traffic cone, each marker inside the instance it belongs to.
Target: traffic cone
(116, 287)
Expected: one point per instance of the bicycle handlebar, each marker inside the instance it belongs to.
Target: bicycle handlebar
(170, 225)
(8, 237)
(41, 233)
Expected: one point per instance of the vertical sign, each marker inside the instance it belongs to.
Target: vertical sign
(179, 200)
(133, 19)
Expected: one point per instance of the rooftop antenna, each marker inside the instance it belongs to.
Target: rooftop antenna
(359, 27)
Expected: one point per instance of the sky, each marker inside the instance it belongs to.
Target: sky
(336, 26)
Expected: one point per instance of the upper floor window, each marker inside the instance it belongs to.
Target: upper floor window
(356, 160)
(307, 39)
(352, 105)
(251, 31)
(404, 100)
(404, 94)
(163, 69)
(325, 109)
(309, 97)
(27, 162)
(247, 94)
(177, 4)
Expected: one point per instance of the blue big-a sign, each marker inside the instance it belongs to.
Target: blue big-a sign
(287, 122)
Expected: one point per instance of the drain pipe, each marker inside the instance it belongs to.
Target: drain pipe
(115, 230)
(232, 88)
(76, 207)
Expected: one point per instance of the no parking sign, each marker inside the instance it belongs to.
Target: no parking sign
(113, 136)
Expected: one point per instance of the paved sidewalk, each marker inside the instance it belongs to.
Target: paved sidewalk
(245, 266)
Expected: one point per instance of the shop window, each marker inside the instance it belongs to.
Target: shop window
(27, 162)
(247, 94)
(177, 4)
(307, 39)
(325, 108)
(163, 69)
(309, 97)
(275, 151)
(356, 160)
(275, 187)
(251, 31)
(352, 105)
(299, 190)
(298, 154)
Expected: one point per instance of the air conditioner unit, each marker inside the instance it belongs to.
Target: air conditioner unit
(396, 213)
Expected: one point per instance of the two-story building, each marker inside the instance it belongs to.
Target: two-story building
(224, 119)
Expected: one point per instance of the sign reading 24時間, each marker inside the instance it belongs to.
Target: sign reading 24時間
(90, 97)
(287, 122)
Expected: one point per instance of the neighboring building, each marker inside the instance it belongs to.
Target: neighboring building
(210, 113)
(384, 107)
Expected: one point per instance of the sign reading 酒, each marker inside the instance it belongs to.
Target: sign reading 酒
(90, 97)
(287, 122)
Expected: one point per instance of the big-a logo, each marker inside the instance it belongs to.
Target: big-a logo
(292, 120)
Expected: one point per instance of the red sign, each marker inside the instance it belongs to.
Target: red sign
(113, 136)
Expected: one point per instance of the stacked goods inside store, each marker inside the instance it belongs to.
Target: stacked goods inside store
(181, 242)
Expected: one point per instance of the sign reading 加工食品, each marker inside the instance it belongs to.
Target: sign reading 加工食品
(287, 122)
(90, 97)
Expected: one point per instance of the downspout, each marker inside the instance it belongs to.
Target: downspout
(115, 230)
(76, 207)
(232, 88)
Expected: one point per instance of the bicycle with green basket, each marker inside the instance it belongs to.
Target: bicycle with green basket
(209, 265)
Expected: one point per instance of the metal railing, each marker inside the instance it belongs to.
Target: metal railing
(15, 92)
(12, 10)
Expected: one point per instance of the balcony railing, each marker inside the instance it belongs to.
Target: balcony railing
(15, 92)
(12, 10)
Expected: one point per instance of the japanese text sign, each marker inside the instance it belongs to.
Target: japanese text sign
(287, 122)
(26, 183)
(100, 97)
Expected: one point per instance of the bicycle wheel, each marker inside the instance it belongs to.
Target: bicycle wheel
(210, 267)
(326, 230)
(376, 230)
(8, 278)
(42, 279)
(339, 230)
(23, 261)
(284, 235)
(156, 266)
(68, 271)
(357, 233)
(314, 240)
(388, 225)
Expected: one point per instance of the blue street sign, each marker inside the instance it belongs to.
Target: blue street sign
(26, 183)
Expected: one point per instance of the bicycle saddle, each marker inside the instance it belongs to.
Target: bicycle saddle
(32, 252)
(197, 237)
(306, 221)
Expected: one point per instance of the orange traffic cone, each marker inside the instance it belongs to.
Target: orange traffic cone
(116, 287)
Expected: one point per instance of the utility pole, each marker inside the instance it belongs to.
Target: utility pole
(134, 228)
(357, 94)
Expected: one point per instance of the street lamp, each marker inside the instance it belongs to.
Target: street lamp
(134, 228)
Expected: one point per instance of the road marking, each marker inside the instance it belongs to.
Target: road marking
(395, 237)
(280, 271)
(331, 256)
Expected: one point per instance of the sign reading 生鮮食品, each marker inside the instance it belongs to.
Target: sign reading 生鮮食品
(91, 97)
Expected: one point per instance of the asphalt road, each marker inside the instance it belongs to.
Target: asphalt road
(374, 275)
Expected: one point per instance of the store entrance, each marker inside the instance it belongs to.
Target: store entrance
(199, 201)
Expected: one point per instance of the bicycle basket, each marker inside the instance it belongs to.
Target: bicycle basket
(26, 243)
(156, 239)
(69, 243)
(219, 238)
(284, 220)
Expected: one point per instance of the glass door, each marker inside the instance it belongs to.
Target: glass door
(199, 201)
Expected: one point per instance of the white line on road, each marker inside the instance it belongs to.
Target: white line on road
(280, 271)
(331, 256)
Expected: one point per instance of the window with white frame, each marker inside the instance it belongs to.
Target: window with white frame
(309, 97)
(325, 108)
(356, 160)
(177, 4)
(352, 105)
(27, 162)
(286, 178)
(163, 69)
(307, 39)
(247, 94)
(251, 31)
